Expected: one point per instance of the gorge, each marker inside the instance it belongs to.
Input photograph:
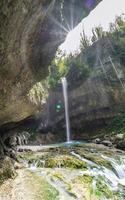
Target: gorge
(37, 118)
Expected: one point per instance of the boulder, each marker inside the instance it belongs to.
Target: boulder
(119, 136)
(121, 145)
(97, 141)
(107, 143)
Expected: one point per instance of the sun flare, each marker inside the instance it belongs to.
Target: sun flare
(103, 15)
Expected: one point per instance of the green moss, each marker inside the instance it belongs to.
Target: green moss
(69, 189)
(85, 183)
(100, 161)
(50, 162)
(68, 185)
(58, 175)
(26, 155)
(65, 161)
(102, 188)
(85, 179)
(43, 190)
(95, 159)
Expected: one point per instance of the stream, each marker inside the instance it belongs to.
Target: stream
(102, 178)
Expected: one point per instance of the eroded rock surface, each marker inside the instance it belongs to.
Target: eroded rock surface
(30, 32)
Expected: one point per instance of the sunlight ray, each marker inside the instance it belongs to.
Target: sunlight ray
(68, 26)
(94, 19)
(59, 24)
(71, 16)
(117, 74)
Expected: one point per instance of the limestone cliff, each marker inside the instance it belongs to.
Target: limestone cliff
(94, 100)
(30, 32)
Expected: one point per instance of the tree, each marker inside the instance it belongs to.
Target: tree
(84, 41)
(58, 68)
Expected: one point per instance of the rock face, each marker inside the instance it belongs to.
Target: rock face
(92, 102)
(30, 32)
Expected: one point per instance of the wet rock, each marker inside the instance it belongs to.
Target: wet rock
(97, 141)
(107, 143)
(121, 145)
(92, 150)
(17, 165)
(119, 136)
(119, 141)
(122, 181)
(22, 138)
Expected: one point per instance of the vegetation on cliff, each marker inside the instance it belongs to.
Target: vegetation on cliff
(63, 65)
(116, 125)
(83, 62)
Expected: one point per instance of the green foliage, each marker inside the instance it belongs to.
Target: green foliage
(57, 69)
(98, 33)
(80, 64)
(62, 65)
(84, 42)
(117, 38)
(119, 46)
(117, 125)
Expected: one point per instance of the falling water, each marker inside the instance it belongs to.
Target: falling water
(65, 94)
(113, 177)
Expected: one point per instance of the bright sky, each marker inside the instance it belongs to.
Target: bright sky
(103, 14)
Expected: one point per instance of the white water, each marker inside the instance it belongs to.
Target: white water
(65, 94)
(114, 178)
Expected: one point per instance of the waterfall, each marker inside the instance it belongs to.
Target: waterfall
(65, 94)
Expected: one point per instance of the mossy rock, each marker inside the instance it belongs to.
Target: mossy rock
(102, 188)
(32, 158)
(84, 179)
(97, 159)
(84, 185)
(26, 155)
(39, 187)
(58, 175)
(65, 161)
